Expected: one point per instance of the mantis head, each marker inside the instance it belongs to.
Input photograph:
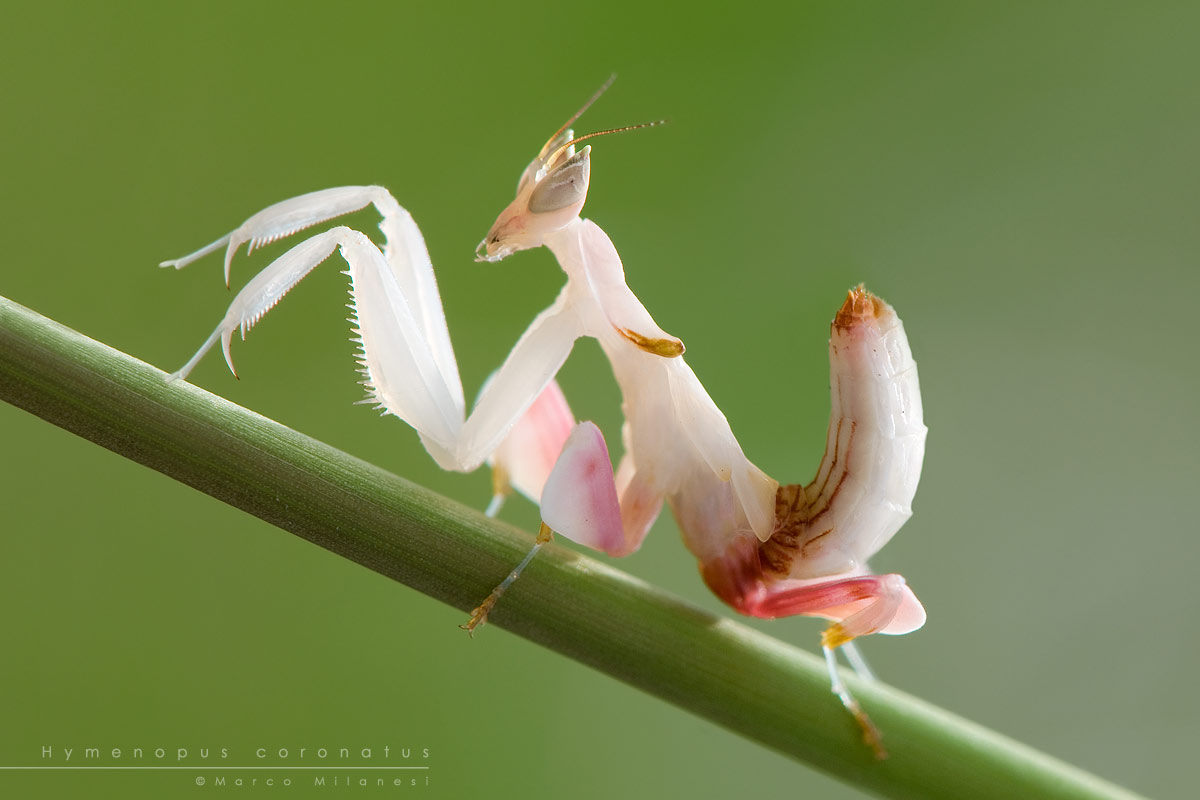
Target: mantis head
(550, 193)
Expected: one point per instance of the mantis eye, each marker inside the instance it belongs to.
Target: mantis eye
(565, 186)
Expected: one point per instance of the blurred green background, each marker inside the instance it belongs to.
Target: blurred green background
(1018, 179)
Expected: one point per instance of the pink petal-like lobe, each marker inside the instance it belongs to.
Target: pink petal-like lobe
(528, 453)
(579, 500)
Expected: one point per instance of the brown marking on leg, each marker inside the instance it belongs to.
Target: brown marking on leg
(667, 348)
(775, 560)
(791, 517)
(825, 508)
(837, 445)
(813, 512)
(824, 454)
(804, 547)
(790, 507)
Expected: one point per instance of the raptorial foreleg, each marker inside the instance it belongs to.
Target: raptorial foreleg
(404, 251)
(407, 357)
(402, 373)
(285, 218)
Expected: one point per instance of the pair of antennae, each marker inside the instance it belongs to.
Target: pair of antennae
(594, 134)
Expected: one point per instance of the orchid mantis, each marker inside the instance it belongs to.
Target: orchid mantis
(765, 549)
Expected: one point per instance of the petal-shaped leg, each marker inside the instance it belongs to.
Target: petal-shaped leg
(524, 459)
(589, 257)
(641, 502)
(859, 606)
(579, 501)
(708, 430)
(866, 482)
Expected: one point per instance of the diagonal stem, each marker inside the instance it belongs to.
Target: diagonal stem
(746, 681)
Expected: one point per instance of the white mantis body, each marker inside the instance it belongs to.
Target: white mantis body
(767, 550)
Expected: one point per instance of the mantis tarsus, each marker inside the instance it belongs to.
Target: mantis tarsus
(765, 549)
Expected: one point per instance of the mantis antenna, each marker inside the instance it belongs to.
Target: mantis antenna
(579, 113)
(565, 145)
(557, 152)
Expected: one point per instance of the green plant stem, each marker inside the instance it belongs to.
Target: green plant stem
(718, 669)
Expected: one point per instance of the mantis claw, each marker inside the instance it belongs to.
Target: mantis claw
(478, 618)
